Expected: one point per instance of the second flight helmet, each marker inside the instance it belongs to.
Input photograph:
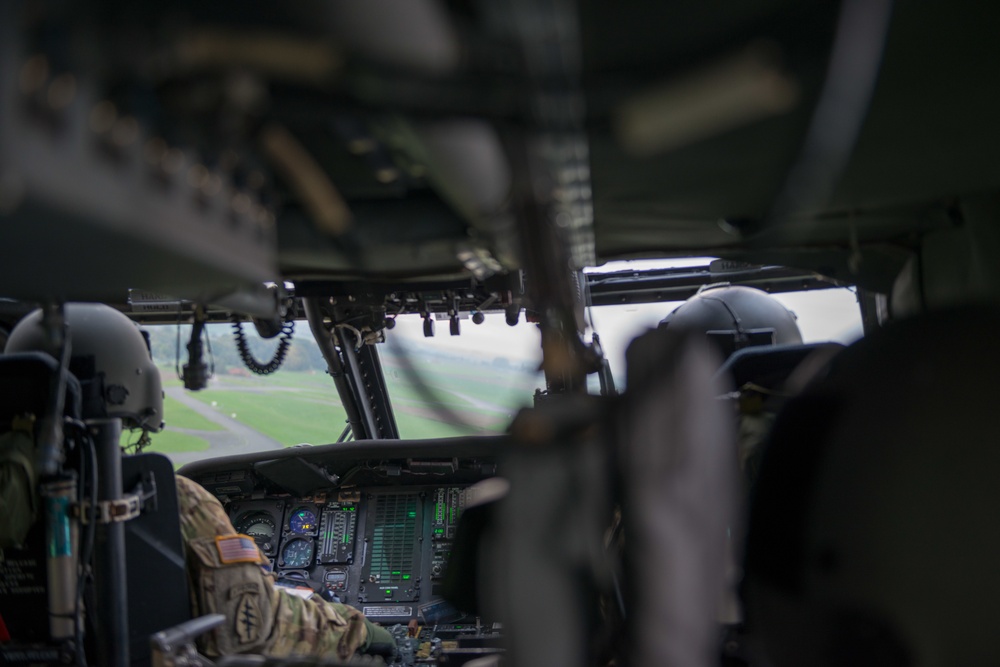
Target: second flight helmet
(735, 317)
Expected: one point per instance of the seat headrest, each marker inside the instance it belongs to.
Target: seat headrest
(769, 365)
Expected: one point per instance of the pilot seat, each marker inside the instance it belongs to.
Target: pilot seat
(873, 538)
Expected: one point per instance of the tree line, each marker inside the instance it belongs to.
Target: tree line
(168, 344)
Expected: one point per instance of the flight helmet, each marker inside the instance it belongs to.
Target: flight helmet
(110, 358)
(735, 317)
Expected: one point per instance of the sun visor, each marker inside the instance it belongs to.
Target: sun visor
(296, 476)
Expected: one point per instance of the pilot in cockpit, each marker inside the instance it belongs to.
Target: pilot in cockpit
(227, 572)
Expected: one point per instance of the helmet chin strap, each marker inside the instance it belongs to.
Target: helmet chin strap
(140, 444)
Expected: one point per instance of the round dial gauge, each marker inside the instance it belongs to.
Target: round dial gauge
(297, 553)
(303, 521)
(257, 525)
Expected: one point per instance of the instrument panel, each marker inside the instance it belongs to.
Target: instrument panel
(371, 524)
(382, 550)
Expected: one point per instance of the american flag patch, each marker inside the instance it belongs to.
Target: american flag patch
(237, 549)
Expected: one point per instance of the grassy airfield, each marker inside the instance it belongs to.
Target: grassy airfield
(294, 407)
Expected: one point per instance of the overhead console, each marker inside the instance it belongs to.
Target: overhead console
(368, 523)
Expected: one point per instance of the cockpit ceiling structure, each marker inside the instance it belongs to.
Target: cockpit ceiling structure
(204, 149)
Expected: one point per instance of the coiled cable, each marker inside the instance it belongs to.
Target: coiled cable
(284, 341)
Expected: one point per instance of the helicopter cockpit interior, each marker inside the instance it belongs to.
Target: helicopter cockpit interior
(499, 443)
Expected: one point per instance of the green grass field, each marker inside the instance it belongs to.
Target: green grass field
(168, 442)
(290, 417)
(483, 396)
(508, 388)
(177, 415)
(293, 407)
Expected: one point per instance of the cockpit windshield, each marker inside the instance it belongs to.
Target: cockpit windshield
(439, 386)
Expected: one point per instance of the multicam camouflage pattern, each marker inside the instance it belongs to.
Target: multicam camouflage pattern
(262, 618)
(316, 627)
(242, 592)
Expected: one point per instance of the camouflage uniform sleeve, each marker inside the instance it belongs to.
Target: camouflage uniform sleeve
(261, 617)
(316, 627)
(202, 514)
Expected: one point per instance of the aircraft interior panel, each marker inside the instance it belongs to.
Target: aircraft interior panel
(379, 537)
(382, 550)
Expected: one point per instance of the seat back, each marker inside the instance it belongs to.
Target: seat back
(873, 536)
(770, 366)
(158, 596)
(764, 378)
(157, 583)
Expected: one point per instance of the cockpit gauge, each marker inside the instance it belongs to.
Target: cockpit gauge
(297, 552)
(303, 521)
(260, 526)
